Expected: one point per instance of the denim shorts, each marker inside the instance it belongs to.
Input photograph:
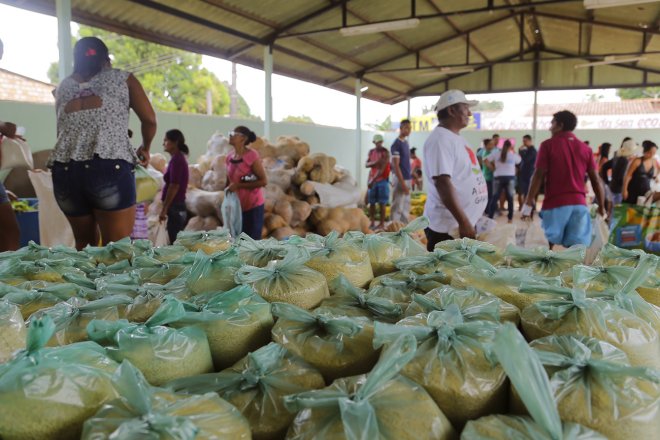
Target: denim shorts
(4, 198)
(82, 187)
(567, 225)
(379, 193)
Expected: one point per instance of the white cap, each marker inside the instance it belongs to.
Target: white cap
(451, 97)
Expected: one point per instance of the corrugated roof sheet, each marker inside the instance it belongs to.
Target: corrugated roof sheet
(474, 34)
(15, 87)
(628, 107)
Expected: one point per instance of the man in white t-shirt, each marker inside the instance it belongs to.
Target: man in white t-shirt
(457, 191)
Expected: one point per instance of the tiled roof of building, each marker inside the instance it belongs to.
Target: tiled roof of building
(626, 107)
(15, 87)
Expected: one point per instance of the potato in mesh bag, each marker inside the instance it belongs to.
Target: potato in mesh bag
(213, 273)
(336, 346)
(161, 353)
(595, 386)
(256, 385)
(47, 393)
(596, 318)
(333, 256)
(404, 240)
(545, 262)
(527, 375)
(288, 280)
(348, 300)
(12, 330)
(474, 305)
(235, 322)
(143, 411)
(72, 316)
(487, 251)
(379, 405)
(505, 283)
(382, 251)
(452, 362)
(210, 242)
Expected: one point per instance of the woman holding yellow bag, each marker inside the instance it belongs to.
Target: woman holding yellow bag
(176, 183)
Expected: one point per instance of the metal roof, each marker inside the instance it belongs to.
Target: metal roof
(512, 45)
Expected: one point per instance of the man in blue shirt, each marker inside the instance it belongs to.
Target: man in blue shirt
(401, 175)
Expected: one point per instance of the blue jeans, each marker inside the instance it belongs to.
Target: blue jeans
(253, 222)
(502, 183)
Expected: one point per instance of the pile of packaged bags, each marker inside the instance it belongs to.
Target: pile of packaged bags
(328, 337)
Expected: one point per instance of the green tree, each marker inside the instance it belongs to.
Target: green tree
(488, 106)
(639, 93)
(386, 125)
(303, 119)
(173, 79)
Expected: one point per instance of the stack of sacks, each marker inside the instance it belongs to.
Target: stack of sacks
(143, 411)
(526, 374)
(379, 405)
(257, 385)
(453, 362)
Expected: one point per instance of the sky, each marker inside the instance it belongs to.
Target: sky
(29, 55)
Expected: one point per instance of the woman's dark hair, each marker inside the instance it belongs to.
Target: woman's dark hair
(175, 135)
(90, 54)
(249, 134)
(486, 141)
(605, 150)
(627, 138)
(567, 120)
(647, 145)
(505, 150)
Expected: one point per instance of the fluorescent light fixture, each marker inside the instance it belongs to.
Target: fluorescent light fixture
(374, 28)
(364, 89)
(610, 59)
(448, 71)
(596, 4)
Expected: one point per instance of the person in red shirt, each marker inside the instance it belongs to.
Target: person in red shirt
(416, 167)
(562, 162)
(378, 163)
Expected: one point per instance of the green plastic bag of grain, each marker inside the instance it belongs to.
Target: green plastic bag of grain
(14, 271)
(259, 253)
(235, 322)
(442, 261)
(12, 330)
(504, 283)
(154, 271)
(338, 346)
(487, 251)
(146, 412)
(30, 301)
(351, 301)
(288, 280)
(257, 385)
(210, 242)
(382, 251)
(168, 254)
(474, 305)
(333, 256)
(404, 240)
(592, 317)
(453, 362)
(149, 297)
(596, 278)
(380, 405)
(34, 251)
(611, 255)
(72, 316)
(161, 353)
(595, 386)
(400, 286)
(112, 252)
(545, 262)
(650, 289)
(215, 272)
(47, 393)
(526, 373)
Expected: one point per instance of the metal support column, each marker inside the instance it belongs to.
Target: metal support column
(268, 69)
(535, 117)
(408, 113)
(358, 132)
(63, 11)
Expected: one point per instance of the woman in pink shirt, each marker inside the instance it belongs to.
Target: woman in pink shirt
(246, 177)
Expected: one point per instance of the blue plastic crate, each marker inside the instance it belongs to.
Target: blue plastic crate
(28, 222)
